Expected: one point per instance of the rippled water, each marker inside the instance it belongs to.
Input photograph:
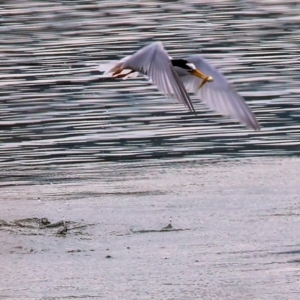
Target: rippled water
(48, 120)
(74, 144)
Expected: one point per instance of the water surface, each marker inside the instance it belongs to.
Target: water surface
(116, 159)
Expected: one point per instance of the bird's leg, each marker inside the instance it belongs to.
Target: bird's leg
(117, 71)
(118, 75)
(205, 80)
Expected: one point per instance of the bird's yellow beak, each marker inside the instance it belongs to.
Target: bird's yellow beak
(198, 74)
(205, 78)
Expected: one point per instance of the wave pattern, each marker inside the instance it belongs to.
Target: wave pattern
(56, 110)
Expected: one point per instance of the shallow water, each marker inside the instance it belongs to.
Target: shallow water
(235, 232)
(116, 160)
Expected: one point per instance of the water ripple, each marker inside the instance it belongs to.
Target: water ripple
(55, 109)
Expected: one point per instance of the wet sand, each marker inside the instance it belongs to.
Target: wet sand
(238, 237)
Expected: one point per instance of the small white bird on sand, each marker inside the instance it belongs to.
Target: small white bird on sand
(178, 77)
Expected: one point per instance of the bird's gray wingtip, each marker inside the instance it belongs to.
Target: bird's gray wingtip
(255, 126)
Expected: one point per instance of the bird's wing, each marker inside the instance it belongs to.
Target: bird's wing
(218, 95)
(154, 62)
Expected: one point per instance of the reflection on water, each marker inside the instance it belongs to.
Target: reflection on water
(51, 113)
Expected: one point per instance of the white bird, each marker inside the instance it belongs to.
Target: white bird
(176, 77)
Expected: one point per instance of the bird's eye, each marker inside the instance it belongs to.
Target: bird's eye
(192, 66)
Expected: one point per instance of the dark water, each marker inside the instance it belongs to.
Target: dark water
(46, 122)
(116, 159)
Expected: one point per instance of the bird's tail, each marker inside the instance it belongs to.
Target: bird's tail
(111, 67)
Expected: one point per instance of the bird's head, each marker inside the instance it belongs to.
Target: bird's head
(187, 67)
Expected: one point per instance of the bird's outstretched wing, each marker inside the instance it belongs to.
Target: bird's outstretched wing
(218, 95)
(154, 62)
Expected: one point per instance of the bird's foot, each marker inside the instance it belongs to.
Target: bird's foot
(123, 75)
(118, 73)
